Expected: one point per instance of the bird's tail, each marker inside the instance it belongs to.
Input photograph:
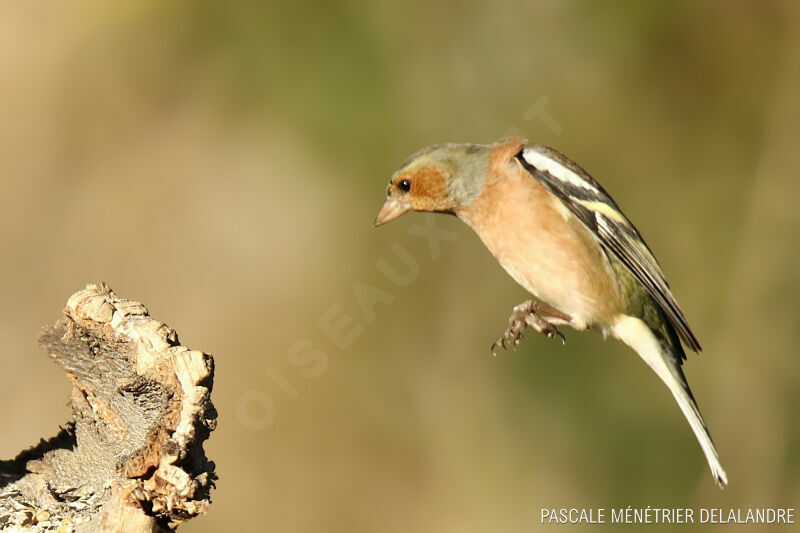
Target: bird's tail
(636, 334)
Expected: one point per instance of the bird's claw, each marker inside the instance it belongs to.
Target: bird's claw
(512, 334)
(524, 315)
(552, 333)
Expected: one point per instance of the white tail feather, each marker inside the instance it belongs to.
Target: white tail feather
(636, 334)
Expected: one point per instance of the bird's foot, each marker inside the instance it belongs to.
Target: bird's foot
(538, 316)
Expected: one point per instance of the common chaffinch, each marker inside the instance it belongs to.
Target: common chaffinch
(559, 234)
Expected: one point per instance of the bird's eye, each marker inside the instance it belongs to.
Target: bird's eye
(404, 185)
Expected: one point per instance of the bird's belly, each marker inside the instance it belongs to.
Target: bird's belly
(589, 297)
(554, 257)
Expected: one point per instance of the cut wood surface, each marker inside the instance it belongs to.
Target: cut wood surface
(131, 458)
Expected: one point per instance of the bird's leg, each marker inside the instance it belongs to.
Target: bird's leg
(538, 316)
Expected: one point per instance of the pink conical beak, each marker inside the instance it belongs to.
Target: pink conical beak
(391, 210)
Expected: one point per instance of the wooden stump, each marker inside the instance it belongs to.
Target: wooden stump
(132, 457)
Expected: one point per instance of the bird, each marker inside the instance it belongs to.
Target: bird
(561, 236)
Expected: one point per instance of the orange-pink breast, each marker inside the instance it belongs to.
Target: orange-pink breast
(543, 246)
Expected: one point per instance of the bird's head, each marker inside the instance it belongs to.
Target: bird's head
(440, 178)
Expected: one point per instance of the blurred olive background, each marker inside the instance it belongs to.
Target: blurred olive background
(223, 163)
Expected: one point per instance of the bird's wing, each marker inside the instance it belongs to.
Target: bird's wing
(592, 205)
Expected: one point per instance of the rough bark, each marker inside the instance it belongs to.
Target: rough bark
(131, 459)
